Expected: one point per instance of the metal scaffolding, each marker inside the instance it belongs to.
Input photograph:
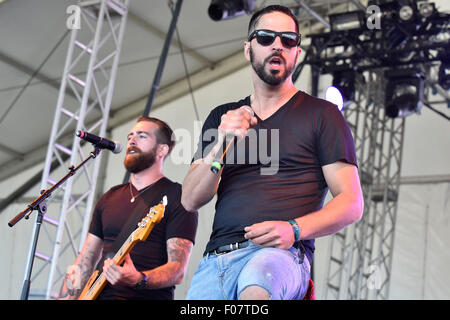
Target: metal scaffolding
(89, 74)
(361, 254)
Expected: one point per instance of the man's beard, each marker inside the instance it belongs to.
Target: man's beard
(140, 160)
(274, 77)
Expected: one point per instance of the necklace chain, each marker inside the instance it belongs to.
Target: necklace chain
(133, 197)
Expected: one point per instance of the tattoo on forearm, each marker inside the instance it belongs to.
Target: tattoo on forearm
(78, 274)
(169, 274)
(178, 250)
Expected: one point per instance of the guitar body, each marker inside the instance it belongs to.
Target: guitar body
(96, 282)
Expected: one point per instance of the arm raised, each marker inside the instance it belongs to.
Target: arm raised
(200, 184)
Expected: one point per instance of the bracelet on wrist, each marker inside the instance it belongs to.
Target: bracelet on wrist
(295, 229)
(142, 284)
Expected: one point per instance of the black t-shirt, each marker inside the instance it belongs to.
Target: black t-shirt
(111, 214)
(275, 173)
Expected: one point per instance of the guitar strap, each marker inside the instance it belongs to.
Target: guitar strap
(140, 210)
(136, 215)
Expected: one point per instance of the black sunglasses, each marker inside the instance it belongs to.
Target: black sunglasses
(267, 37)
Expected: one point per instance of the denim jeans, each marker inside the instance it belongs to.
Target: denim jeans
(223, 277)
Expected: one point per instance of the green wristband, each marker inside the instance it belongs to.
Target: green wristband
(296, 229)
(216, 166)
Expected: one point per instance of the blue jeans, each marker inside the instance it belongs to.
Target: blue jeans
(225, 276)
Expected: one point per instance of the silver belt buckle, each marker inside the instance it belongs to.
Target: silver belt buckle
(233, 246)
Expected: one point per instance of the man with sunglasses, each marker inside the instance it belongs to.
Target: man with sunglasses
(262, 242)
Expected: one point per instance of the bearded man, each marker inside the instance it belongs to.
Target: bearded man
(265, 221)
(155, 266)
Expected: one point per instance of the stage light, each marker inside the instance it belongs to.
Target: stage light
(444, 74)
(426, 9)
(407, 10)
(404, 92)
(333, 95)
(342, 90)
(227, 9)
(346, 21)
(406, 13)
(344, 81)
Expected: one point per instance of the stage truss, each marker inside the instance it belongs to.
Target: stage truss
(89, 74)
(360, 256)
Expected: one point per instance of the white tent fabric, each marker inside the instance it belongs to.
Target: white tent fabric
(422, 238)
(421, 256)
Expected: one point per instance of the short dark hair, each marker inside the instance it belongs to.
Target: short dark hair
(272, 8)
(164, 133)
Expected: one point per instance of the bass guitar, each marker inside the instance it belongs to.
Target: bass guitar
(96, 282)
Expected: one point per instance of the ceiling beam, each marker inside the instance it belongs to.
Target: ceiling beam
(14, 153)
(135, 108)
(314, 14)
(162, 35)
(358, 5)
(179, 88)
(28, 70)
(53, 83)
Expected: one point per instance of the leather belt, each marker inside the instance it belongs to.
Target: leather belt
(229, 247)
(240, 245)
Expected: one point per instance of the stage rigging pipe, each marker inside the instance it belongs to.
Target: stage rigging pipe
(163, 57)
(314, 14)
(162, 62)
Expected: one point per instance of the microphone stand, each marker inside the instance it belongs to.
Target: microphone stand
(40, 205)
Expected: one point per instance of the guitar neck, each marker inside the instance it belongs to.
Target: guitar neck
(118, 258)
(128, 245)
(100, 281)
(124, 249)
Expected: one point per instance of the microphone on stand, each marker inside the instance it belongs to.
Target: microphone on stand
(216, 165)
(100, 142)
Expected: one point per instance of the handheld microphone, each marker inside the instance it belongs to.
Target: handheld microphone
(100, 142)
(216, 165)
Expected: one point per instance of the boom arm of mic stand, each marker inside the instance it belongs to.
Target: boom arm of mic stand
(47, 193)
(40, 205)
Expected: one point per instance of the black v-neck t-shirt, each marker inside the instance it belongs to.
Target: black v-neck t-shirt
(112, 212)
(275, 172)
